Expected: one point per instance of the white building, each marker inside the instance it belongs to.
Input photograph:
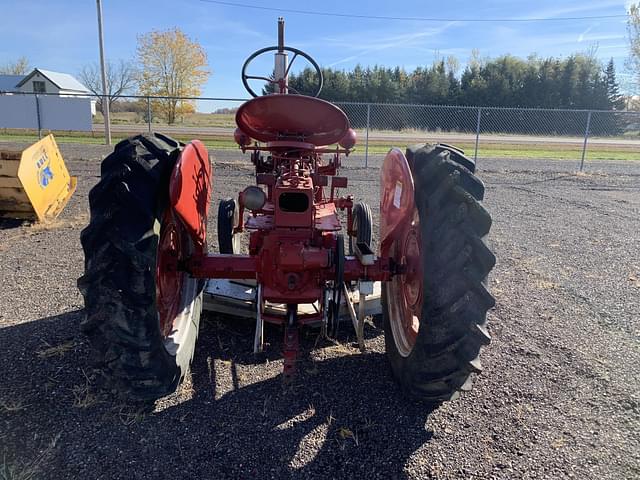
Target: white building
(46, 81)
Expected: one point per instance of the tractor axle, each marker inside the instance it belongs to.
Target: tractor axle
(247, 267)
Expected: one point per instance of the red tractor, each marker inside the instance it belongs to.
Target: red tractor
(146, 260)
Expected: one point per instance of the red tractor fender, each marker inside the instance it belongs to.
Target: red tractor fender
(190, 191)
(397, 201)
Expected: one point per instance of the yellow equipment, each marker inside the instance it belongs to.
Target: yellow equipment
(34, 183)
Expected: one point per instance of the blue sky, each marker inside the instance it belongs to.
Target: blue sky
(62, 36)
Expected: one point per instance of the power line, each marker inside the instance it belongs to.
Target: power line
(421, 19)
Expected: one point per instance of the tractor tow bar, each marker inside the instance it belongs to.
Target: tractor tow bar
(258, 341)
(244, 267)
(290, 352)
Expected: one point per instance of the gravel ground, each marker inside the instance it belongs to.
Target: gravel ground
(559, 398)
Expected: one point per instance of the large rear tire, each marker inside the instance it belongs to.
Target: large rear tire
(435, 313)
(142, 312)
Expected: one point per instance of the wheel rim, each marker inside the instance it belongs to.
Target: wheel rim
(405, 291)
(353, 239)
(169, 279)
(235, 237)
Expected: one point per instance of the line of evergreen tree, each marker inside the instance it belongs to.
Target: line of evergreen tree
(577, 82)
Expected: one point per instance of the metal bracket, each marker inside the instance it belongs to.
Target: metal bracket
(356, 319)
(237, 298)
(364, 254)
(362, 308)
(325, 313)
(258, 343)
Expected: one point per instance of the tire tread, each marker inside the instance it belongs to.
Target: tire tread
(457, 261)
(118, 285)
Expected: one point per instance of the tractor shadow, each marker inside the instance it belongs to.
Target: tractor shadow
(342, 416)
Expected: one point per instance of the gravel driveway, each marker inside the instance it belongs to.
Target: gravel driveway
(559, 398)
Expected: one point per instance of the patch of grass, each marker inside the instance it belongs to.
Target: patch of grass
(32, 227)
(557, 151)
(340, 349)
(12, 405)
(527, 151)
(345, 434)
(78, 220)
(31, 137)
(543, 284)
(211, 142)
(56, 350)
(84, 395)
(130, 414)
(29, 470)
(196, 119)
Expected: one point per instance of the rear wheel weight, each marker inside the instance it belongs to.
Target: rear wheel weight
(435, 361)
(142, 314)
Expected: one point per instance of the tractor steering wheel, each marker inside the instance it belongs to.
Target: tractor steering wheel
(296, 52)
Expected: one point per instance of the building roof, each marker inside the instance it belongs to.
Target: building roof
(63, 81)
(8, 83)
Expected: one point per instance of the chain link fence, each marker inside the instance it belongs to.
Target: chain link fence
(483, 132)
(502, 132)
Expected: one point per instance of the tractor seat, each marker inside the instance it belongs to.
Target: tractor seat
(292, 117)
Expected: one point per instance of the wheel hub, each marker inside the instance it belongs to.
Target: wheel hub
(412, 286)
(405, 290)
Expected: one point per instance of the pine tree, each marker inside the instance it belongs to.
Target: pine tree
(613, 90)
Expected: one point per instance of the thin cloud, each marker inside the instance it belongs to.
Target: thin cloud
(581, 36)
(394, 41)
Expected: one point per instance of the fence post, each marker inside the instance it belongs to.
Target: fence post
(366, 141)
(149, 113)
(475, 153)
(586, 137)
(38, 117)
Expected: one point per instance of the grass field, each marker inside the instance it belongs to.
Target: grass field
(486, 149)
(188, 120)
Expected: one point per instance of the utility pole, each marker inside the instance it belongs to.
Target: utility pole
(105, 97)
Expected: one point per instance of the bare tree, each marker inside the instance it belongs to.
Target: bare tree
(633, 29)
(121, 78)
(19, 67)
